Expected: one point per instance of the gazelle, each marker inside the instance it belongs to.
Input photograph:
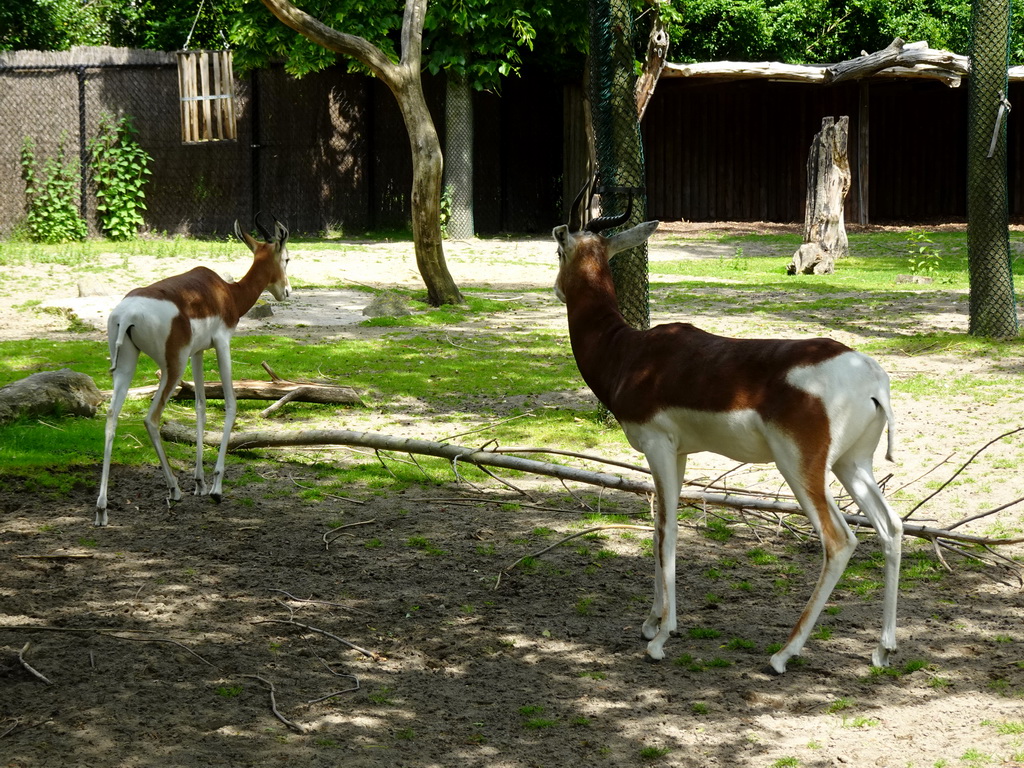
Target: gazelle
(809, 406)
(179, 318)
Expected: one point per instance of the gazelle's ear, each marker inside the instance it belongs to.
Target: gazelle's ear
(280, 232)
(562, 236)
(245, 237)
(632, 237)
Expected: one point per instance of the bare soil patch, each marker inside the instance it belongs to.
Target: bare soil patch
(161, 634)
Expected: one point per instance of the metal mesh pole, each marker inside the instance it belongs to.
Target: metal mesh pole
(458, 161)
(619, 150)
(993, 308)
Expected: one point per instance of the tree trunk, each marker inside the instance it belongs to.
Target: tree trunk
(828, 182)
(458, 167)
(406, 84)
(427, 169)
(618, 146)
(993, 307)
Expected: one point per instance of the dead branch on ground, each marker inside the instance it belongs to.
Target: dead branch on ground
(325, 633)
(115, 633)
(281, 390)
(273, 705)
(496, 458)
(29, 667)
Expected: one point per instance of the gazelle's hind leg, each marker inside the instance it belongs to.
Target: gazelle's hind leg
(200, 386)
(169, 380)
(855, 473)
(668, 468)
(837, 540)
(122, 374)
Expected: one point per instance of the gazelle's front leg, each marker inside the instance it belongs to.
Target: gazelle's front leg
(668, 468)
(223, 349)
(200, 386)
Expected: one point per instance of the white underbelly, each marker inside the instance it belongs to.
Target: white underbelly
(738, 435)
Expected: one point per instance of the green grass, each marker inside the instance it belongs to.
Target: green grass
(417, 365)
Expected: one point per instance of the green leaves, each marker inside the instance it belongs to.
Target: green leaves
(120, 168)
(51, 194)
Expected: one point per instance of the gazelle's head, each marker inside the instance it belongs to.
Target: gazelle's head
(272, 255)
(579, 237)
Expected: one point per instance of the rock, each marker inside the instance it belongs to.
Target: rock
(921, 279)
(260, 310)
(387, 304)
(93, 286)
(50, 393)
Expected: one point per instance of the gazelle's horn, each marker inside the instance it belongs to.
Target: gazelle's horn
(267, 237)
(607, 222)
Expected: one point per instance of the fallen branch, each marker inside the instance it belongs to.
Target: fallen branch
(26, 665)
(477, 457)
(508, 569)
(273, 705)
(336, 531)
(346, 643)
(110, 632)
(494, 458)
(963, 466)
(281, 390)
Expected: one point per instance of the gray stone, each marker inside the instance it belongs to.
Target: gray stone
(260, 310)
(50, 393)
(387, 304)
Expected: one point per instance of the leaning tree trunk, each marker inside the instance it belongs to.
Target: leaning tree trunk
(404, 81)
(828, 182)
(427, 170)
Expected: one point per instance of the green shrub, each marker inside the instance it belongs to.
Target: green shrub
(51, 194)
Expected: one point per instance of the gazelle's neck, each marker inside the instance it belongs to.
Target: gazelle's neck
(598, 331)
(246, 292)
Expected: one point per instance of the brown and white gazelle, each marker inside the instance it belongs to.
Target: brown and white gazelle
(176, 319)
(809, 406)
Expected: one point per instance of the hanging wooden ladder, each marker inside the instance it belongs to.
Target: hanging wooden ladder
(206, 85)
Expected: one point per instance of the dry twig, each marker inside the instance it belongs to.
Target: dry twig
(336, 531)
(622, 526)
(26, 665)
(346, 643)
(273, 705)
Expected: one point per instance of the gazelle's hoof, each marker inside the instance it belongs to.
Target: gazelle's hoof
(648, 659)
(216, 497)
(771, 671)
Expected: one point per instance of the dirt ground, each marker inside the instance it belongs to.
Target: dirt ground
(216, 634)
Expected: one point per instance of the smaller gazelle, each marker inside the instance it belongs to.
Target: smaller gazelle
(179, 318)
(809, 406)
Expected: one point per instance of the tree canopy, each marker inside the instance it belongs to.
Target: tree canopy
(490, 39)
(815, 31)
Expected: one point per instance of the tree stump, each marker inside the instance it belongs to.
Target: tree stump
(828, 182)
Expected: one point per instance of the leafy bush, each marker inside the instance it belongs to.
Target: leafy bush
(119, 170)
(51, 195)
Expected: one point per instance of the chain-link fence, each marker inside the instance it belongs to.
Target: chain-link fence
(992, 306)
(325, 152)
(618, 147)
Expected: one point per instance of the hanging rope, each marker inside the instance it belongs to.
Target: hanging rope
(194, 22)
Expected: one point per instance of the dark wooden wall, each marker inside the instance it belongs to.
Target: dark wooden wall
(738, 150)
